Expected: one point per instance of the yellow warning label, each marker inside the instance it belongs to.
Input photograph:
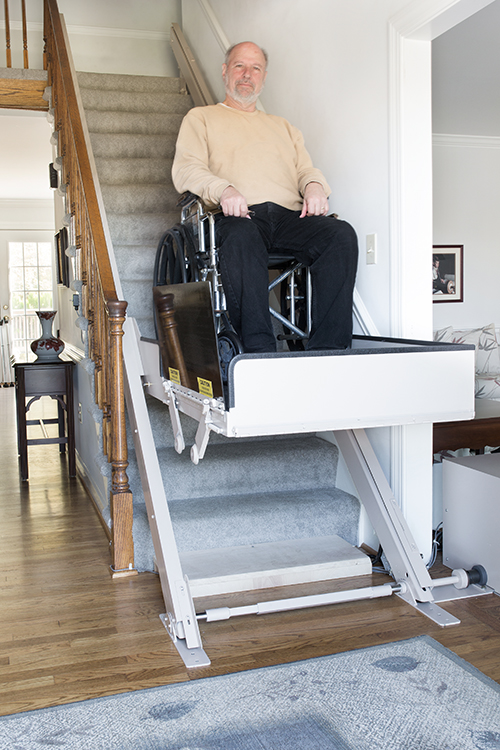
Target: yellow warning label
(174, 375)
(205, 387)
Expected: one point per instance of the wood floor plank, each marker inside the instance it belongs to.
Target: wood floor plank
(69, 632)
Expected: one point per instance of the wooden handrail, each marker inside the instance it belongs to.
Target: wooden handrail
(8, 53)
(100, 303)
(189, 69)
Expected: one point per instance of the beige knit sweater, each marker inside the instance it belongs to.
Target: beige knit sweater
(261, 155)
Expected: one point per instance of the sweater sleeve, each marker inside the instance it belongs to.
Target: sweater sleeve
(190, 169)
(305, 171)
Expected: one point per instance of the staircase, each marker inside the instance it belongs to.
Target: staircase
(263, 492)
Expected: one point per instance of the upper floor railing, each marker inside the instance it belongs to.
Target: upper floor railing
(8, 39)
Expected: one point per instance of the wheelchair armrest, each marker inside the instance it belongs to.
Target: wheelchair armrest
(187, 199)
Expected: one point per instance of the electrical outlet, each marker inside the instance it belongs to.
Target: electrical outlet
(371, 249)
(79, 412)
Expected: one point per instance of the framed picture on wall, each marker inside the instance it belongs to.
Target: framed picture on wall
(62, 258)
(447, 273)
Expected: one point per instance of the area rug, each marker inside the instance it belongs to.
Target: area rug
(409, 695)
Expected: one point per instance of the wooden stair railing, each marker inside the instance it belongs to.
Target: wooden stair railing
(21, 91)
(100, 303)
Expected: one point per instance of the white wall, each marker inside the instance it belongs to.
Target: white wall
(466, 201)
(122, 36)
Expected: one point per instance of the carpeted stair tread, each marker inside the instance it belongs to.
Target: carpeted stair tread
(119, 82)
(133, 145)
(138, 199)
(144, 123)
(265, 466)
(125, 101)
(164, 438)
(121, 171)
(140, 305)
(138, 261)
(256, 518)
(148, 228)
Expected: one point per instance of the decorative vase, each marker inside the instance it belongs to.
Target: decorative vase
(47, 347)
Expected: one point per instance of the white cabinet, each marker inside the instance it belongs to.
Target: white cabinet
(471, 514)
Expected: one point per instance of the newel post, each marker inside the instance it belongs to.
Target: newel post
(120, 497)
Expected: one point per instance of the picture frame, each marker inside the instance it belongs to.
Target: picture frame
(62, 258)
(447, 273)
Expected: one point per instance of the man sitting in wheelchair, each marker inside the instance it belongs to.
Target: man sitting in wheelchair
(255, 167)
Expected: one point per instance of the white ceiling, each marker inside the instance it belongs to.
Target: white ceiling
(466, 85)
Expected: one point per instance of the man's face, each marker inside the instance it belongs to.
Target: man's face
(245, 73)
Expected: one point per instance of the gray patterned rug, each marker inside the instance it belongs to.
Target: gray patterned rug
(410, 695)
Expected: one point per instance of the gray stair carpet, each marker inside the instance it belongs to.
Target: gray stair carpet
(243, 491)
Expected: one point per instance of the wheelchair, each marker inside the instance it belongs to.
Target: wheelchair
(187, 252)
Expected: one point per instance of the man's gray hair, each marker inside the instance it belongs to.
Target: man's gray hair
(232, 47)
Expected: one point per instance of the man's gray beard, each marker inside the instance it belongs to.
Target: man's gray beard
(250, 99)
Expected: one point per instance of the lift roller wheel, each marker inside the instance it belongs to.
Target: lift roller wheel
(476, 575)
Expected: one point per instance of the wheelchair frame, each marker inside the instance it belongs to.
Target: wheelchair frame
(200, 263)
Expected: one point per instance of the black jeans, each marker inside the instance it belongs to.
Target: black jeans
(329, 246)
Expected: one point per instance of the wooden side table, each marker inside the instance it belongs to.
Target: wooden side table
(37, 379)
(475, 433)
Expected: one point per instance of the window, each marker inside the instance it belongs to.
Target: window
(31, 289)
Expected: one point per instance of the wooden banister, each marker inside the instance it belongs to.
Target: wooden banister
(102, 308)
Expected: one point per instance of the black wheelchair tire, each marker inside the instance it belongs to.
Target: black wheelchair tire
(228, 347)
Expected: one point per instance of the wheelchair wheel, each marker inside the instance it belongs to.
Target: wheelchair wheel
(175, 261)
(295, 344)
(228, 345)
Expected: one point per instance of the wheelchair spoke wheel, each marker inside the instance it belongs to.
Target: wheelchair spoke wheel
(300, 317)
(229, 346)
(175, 261)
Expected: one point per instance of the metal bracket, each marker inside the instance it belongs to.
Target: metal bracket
(192, 657)
(203, 410)
(179, 441)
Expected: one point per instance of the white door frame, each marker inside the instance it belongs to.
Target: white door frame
(410, 34)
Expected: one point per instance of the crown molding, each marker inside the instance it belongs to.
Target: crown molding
(465, 141)
(98, 31)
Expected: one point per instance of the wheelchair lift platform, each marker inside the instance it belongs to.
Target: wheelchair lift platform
(378, 382)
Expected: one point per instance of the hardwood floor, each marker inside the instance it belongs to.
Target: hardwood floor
(69, 632)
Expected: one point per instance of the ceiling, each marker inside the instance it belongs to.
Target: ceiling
(466, 70)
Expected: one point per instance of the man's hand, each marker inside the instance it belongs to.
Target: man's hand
(315, 200)
(233, 203)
